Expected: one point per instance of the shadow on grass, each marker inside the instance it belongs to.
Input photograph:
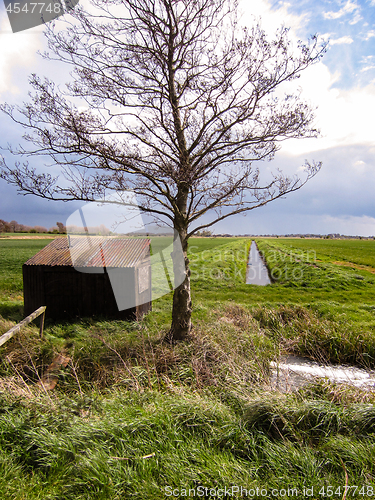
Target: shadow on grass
(12, 311)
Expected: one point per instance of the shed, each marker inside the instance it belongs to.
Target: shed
(111, 277)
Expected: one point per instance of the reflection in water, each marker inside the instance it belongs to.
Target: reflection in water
(293, 372)
(257, 272)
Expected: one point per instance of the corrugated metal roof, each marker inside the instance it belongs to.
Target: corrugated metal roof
(93, 251)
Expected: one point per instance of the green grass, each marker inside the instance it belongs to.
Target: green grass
(339, 322)
(14, 253)
(132, 414)
(357, 251)
(315, 265)
(135, 445)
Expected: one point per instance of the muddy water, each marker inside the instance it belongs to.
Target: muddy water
(293, 372)
(257, 272)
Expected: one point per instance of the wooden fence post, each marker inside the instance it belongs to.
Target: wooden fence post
(9, 334)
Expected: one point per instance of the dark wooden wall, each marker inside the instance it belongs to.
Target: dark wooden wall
(70, 294)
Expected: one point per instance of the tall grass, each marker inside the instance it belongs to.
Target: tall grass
(134, 445)
(302, 331)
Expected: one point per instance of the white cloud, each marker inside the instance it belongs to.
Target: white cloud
(271, 20)
(326, 36)
(17, 52)
(344, 116)
(356, 19)
(354, 225)
(281, 217)
(347, 9)
(342, 40)
(367, 68)
(370, 34)
(367, 59)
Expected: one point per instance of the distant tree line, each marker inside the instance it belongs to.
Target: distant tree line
(14, 227)
(205, 232)
(330, 236)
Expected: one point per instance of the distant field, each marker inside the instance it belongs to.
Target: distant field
(27, 235)
(307, 270)
(321, 264)
(357, 251)
(14, 253)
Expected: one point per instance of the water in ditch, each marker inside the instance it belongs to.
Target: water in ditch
(257, 272)
(292, 372)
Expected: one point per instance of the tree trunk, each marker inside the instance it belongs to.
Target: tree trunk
(182, 306)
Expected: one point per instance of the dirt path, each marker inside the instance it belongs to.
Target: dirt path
(354, 266)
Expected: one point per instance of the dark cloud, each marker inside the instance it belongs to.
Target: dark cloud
(342, 191)
(31, 210)
(338, 199)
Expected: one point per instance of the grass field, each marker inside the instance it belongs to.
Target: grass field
(134, 417)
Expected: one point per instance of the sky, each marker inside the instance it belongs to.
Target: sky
(339, 199)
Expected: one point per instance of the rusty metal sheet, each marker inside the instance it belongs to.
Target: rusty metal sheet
(93, 252)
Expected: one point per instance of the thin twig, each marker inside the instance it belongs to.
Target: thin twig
(346, 479)
(134, 458)
(146, 361)
(123, 362)
(15, 369)
(36, 371)
(153, 358)
(75, 375)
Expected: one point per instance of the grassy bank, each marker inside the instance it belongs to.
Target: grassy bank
(132, 415)
(136, 445)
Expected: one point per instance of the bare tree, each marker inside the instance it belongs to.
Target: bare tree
(14, 226)
(61, 227)
(4, 226)
(172, 99)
